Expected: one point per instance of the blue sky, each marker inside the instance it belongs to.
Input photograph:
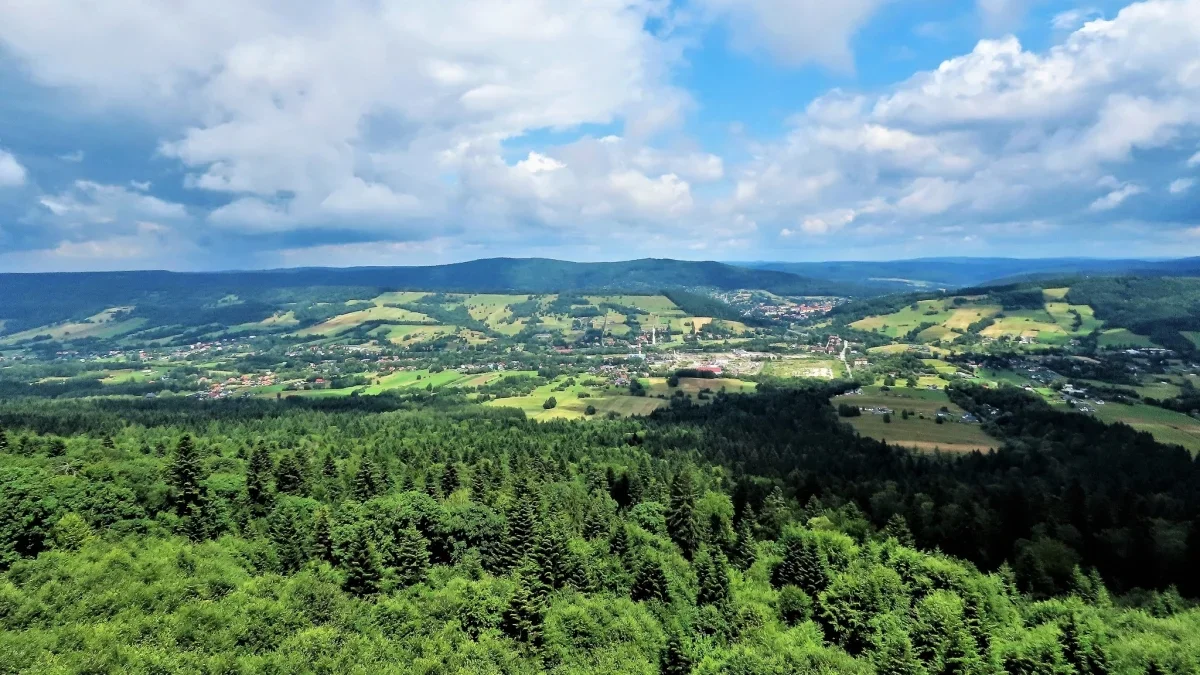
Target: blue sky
(217, 134)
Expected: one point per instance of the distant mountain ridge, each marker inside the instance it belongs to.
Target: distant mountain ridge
(35, 299)
(961, 272)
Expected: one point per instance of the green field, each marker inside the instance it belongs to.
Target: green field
(1167, 426)
(922, 434)
(1121, 337)
(102, 325)
(570, 406)
(692, 386)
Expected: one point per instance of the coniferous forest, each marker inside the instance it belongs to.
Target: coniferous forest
(425, 535)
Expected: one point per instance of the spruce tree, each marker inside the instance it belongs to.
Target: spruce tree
(322, 536)
(521, 524)
(1082, 647)
(746, 548)
(522, 619)
(289, 476)
(618, 542)
(184, 475)
(449, 480)
(258, 480)
(480, 486)
(556, 564)
(411, 556)
(681, 515)
(363, 570)
(649, 583)
(597, 522)
(289, 545)
(366, 484)
(675, 659)
(803, 565)
(712, 573)
(331, 478)
(897, 528)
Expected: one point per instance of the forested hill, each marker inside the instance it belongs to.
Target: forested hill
(54, 297)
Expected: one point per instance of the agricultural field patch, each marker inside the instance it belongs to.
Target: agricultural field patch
(1167, 426)
(348, 321)
(1055, 294)
(106, 324)
(922, 434)
(1123, 337)
(826, 369)
(398, 297)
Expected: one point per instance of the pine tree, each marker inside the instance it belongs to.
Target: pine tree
(712, 574)
(363, 571)
(449, 480)
(774, 514)
(184, 475)
(322, 536)
(897, 528)
(411, 556)
(675, 659)
(258, 480)
(803, 565)
(522, 619)
(366, 484)
(649, 583)
(681, 516)
(480, 485)
(746, 548)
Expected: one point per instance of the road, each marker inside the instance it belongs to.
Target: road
(846, 362)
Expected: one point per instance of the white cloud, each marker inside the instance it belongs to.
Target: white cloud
(1194, 160)
(1117, 197)
(797, 31)
(12, 174)
(87, 203)
(73, 157)
(1181, 185)
(306, 115)
(1074, 18)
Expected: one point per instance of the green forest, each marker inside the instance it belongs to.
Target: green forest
(420, 534)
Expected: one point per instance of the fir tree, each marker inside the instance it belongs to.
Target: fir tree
(897, 528)
(896, 656)
(411, 556)
(556, 564)
(289, 476)
(322, 536)
(449, 480)
(681, 516)
(331, 478)
(184, 475)
(618, 542)
(598, 521)
(746, 548)
(649, 583)
(961, 657)
(480, 486)
(521, 524)
(712, 574)
(258, 480)
(1082, 647)
(675, 659)
(774, 514)
(522, 619)
(71, 532)
(363, 570)
(289, 545)
(803, 565)
(366, 483)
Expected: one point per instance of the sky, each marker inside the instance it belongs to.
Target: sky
(243, 134)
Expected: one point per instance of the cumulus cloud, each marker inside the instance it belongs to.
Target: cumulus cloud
(993, 139)
(11, 172)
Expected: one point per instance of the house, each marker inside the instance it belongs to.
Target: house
(968, 418)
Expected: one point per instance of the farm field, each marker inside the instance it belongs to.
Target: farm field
(900, 323)
(822, 368)
(1121, 337)
(1167, 426)
(570, 406)
(692, 386)
(922, 434)
(100, 325)
(350, 320)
